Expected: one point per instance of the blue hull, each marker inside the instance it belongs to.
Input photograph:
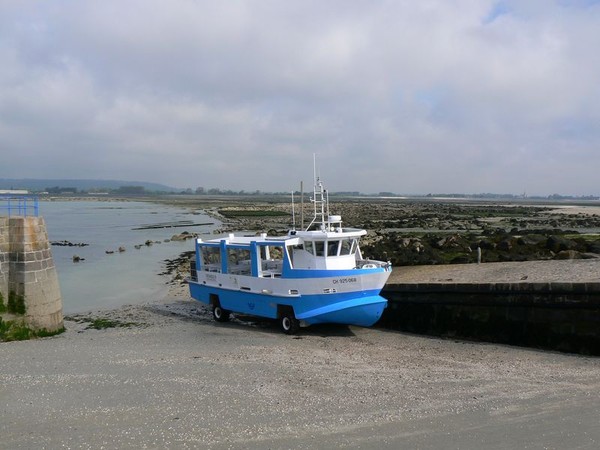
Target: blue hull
(355, 308)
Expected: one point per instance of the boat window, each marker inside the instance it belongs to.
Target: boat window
(238, 261)
(264, 252)
(319, 248)
(276, 252)
(346, 247)
(271, 260)
(332, 248)
(211, 259)
(354, 246)
(308, 246)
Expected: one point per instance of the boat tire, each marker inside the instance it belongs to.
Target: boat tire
(289, 324)
(220, 314)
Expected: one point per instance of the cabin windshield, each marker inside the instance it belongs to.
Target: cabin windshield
(337, 247)
(346, 247)
(332, 248)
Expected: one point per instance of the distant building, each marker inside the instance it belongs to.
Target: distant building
(14, 192)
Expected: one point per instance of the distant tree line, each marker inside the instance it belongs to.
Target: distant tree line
(122, 190)
(141, 190)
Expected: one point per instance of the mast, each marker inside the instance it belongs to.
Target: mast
(301, 205)
(293, 214)
(319, 200)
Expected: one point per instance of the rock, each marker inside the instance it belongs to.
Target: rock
(559, 243)
(532, 239)
(505, 244)
(568, 254)
(594, 247)
(589, 255)
(486, 244)
(68, 244)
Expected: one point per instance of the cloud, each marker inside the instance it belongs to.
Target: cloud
(409, 97)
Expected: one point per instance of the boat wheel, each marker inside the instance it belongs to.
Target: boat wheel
(220, 314)
(289, 324)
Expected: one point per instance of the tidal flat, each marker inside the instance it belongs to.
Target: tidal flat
(426, 232)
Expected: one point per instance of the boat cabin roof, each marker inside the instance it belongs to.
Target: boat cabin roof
(292, 238)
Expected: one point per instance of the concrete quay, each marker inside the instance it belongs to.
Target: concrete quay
(544, 304)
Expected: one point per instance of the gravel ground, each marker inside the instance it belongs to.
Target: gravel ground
(173, 378)
(565, 271)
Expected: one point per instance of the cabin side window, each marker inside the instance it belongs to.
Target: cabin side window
(308, 246)
(276, 251)
(211, 259)
(271, 260)
(238, 261)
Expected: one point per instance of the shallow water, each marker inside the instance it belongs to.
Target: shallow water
(104, 280)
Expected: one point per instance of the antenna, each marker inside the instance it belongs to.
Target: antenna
(293, 214)
(301, 205)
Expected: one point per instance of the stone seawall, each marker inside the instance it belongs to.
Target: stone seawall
(27, 269)
(545, 304)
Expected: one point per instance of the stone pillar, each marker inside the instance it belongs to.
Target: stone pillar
(32, 274)
(4, 249)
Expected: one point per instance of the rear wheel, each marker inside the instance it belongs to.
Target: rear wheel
(289, 323)
(220, 314)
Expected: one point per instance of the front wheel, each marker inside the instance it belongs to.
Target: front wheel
(289, 324)
(220, 314)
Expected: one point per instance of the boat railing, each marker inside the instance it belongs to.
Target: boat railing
(19, 205)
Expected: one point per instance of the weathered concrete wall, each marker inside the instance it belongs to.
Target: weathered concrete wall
(556, 316)
(28, 269)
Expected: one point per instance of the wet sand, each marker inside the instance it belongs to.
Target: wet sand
(176, 379)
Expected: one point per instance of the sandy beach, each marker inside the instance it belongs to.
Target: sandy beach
(173, 378)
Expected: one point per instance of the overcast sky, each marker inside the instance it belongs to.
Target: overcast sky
(428, 96)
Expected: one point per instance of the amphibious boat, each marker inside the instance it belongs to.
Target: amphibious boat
(310, 276)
